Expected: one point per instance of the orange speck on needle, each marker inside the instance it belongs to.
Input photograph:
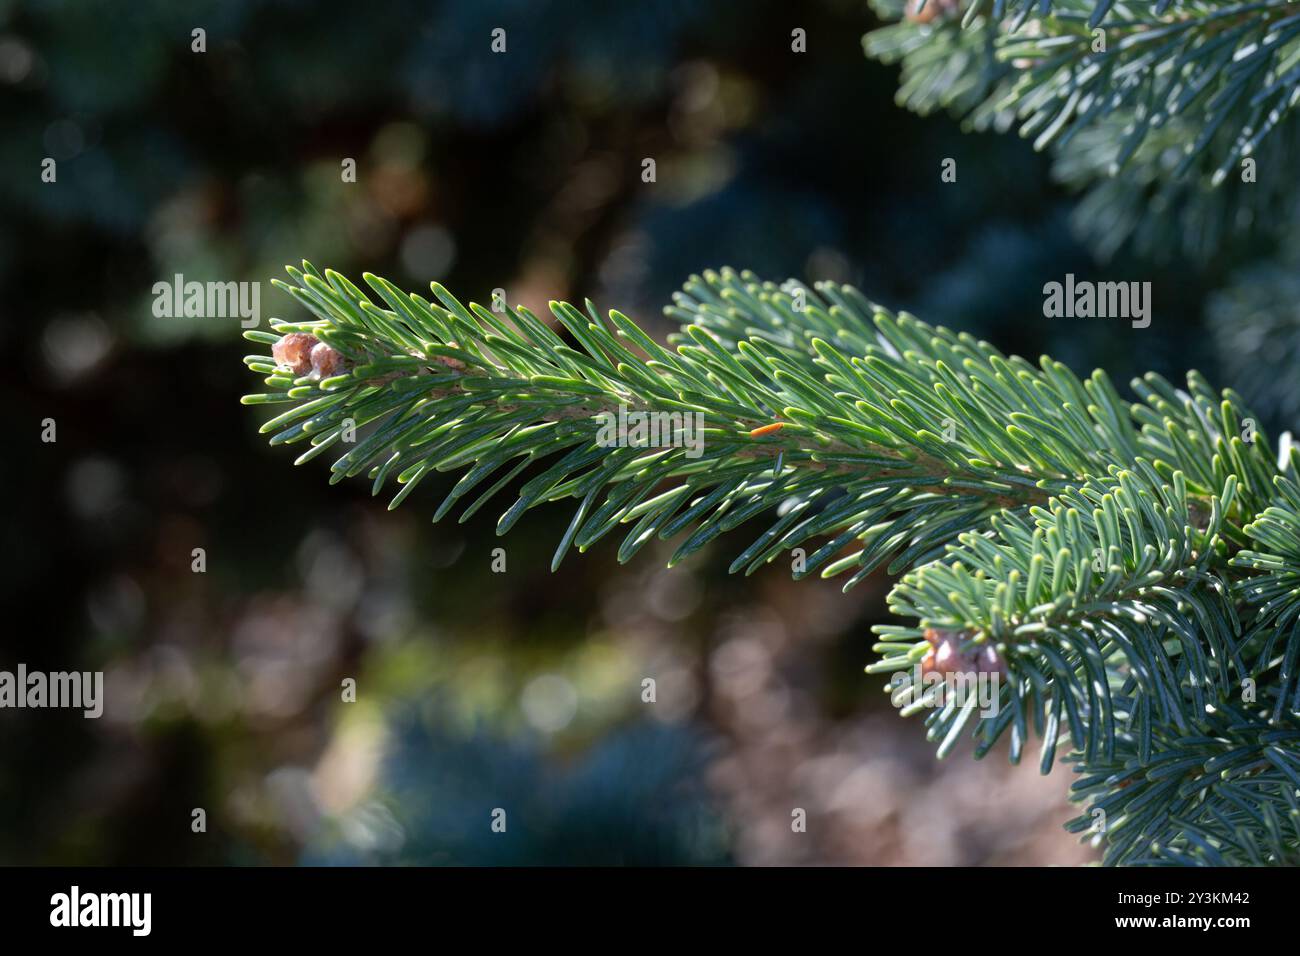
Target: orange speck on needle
(766, 429)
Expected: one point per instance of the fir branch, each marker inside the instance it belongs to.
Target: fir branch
(1125, 567)
(1225, 795)
(902, 435)
(1175, 98)
(1111, 579)
(527, 395)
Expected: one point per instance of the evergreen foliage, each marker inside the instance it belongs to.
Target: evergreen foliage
(1133, 568)
(1157, 107)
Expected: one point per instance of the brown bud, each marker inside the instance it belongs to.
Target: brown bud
(294, 352)
(951, 652)
(327, 361)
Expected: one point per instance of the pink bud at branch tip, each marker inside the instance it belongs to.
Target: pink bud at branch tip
(952, 652)
(294, 352)
(326, 362)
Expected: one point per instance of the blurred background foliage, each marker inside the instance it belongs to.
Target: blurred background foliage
(476, 690)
